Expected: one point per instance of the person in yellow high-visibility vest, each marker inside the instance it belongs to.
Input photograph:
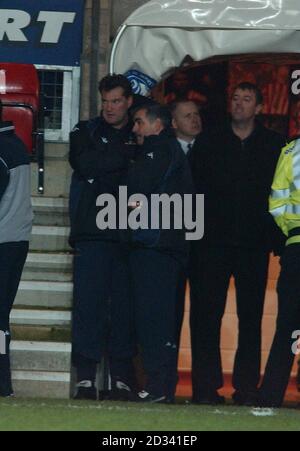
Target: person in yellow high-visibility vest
(285, 207)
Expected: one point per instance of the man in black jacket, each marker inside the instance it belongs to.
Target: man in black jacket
(157, 254)
(101, 314)
(233, 167)
(15, 225)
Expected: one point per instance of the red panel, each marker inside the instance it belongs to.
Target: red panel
(24, 124)
(19, 79)
(19, 84)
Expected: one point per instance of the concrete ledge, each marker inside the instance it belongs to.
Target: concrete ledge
(49, 267)
(40, 356)
(40, 317)
(50, 238)
(45, 294)
(37, 384)
(56, 150)
(50, 211)
(50, 202)
(53, 334)
(57, 178)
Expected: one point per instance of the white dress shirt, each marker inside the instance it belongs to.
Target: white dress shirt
(185, 145)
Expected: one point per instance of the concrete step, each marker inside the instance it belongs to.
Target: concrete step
(40, 317)
(48, 267)
(41, 333)
(40, 356)
(57, 178)
(41, 384)
(56, 151)
(49, 295)
(50, 239)
(50, 211)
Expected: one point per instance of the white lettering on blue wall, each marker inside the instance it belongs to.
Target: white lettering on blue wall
(14, 23)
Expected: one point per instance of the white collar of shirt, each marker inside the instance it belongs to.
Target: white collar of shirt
(185, 145)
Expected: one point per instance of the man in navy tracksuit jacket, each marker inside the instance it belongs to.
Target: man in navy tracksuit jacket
(101, 312)
(156, 256)
(15, 226)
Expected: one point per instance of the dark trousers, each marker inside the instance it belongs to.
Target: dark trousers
(281, 356)
(179, 314)
(180, 304)
(209, 279)
(102, 312)
(154, 282)
(12, 260)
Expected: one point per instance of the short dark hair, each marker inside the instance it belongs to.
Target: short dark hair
(173, 105)
(245, 85)
(157, 111)
(110, 82)
(139, 101)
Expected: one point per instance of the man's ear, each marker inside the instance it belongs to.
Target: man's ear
(174, 123)
(158, 126)
(130, 101)
(258, 109)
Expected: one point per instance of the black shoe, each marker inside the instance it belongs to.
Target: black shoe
(105, 395)
(212, 398)
(86, 390)
(122, 392)
(265, 403)
(144, 396)
(6, 389)
(9, 394)
(247, 398)
(170, 400)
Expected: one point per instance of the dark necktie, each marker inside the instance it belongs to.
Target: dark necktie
(189, 148)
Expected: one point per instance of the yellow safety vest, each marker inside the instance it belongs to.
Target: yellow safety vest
(284, 202)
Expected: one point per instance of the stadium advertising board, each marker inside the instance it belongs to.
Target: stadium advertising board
(43, 32)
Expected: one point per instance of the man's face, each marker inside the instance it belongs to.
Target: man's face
(144, 127)
(115, 107)
(180, 80)
(187, 122)
(244, 107)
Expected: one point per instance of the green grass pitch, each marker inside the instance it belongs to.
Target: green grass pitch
(63, 415)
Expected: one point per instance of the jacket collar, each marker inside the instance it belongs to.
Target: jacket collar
(258, 128)
(165, 141)
(157, 139)
(7, 127)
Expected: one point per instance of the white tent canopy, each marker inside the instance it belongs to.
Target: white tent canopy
(159, 35)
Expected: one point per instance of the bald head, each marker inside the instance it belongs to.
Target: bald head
(186, 120)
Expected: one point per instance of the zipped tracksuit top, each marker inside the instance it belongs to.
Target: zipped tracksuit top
(284, 202)
(161, 168)
(99, 157)
(15, 187)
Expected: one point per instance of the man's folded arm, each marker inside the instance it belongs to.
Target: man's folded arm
(90, 159)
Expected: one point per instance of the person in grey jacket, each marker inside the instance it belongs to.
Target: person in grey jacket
(15, 229)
